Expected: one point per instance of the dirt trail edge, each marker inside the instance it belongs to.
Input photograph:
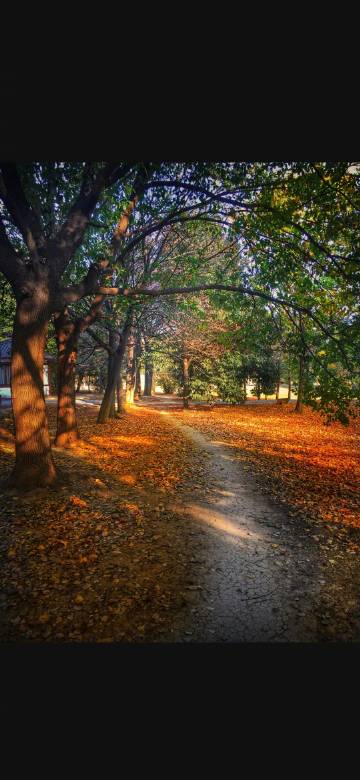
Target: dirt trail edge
(261, 576)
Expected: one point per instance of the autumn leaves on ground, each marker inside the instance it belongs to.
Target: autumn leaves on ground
(107, 558)
(102, 558)
(314, 468)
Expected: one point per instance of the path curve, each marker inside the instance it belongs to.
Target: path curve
(258, 587)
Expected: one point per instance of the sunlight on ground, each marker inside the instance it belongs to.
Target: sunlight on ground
(220, 522)
(314, 467)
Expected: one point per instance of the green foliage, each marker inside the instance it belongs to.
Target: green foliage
(229, 375)
(7, 308)
(333, 393)
(264, 371)
(202, 389)
(288, 230)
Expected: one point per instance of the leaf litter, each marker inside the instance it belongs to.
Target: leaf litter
(104, 558)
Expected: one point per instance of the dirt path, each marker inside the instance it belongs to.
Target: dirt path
(252, 583)
(261, 575)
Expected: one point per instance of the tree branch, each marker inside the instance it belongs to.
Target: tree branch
(20, 210)
(129, 292)
(87, 286)
(92, 315)
(10, 263)
(100, 341)
(70, 235)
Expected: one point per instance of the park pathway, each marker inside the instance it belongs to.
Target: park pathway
(161, 534)
(258, 573)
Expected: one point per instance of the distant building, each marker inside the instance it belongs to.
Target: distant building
(5, 375)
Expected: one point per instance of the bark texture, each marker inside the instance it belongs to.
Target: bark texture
(67, 336)
(34, 465)
(148, 386)
(138, 352)
(115, 372)
(130, 368)
(119, 397)
(35, 277)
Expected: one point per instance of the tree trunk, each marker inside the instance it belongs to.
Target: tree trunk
(137, 393)
(130, 369)
(277, 393)
(34, 465)
(67, 336)
(289, 386)
(148, 371)
(148, 380)
(138, 353)
(112, 411)
(153, 381)
(52, 379)
(112, 345)
(112, 380)
(80, 378)
(300, 393)
(245, 390)
(114, 375)
(119, 398)
(186, 386)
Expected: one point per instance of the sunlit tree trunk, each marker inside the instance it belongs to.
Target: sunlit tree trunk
(137, 393)
(34, 466)
(148, 380)
(148, 371)
(114, 374)
(130, 368)
(119, 397)
(138, 352)
(67, 336)
(108, 402)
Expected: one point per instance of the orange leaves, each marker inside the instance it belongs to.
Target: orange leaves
(88, 561)
(44, 617)
(132, 508)
(312, 466)
(128, 479)
(77, 501)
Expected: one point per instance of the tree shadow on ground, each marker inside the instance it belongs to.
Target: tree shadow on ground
(94, 560)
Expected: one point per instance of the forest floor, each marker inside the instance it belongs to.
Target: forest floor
(230, 524)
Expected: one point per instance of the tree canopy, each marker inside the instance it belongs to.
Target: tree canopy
(215, 273)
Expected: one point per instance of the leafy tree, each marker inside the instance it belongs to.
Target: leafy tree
(283, 234)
